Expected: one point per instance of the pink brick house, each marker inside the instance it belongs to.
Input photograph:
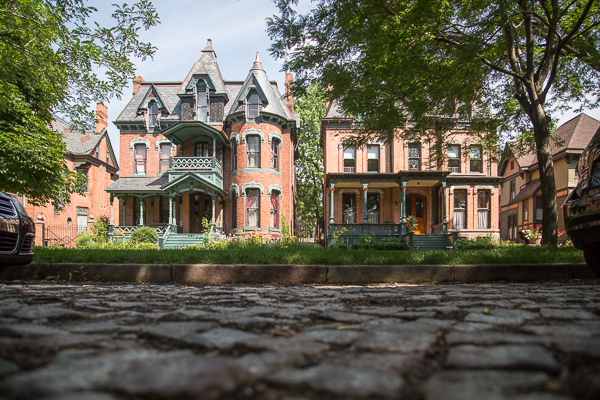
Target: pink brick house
(371, 190)
(206, 148)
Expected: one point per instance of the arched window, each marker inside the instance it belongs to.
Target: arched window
(253, 105)
(252, 208)
(233, 210)
(153, 114)
(234, 150)
(274, 209)
(201, 102)
(275, 154)
(165, 154)
(253, 151)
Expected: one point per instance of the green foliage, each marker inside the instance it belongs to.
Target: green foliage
(368, 242)
(145, 235)
(85, 239)
(309, 167)
(285, 229)
(100, 229)
(54, 60)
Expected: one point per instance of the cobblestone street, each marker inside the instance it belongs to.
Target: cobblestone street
(436, 342)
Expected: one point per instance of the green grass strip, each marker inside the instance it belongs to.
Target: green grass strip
(311, 254)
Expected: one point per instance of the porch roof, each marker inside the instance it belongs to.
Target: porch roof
(134, 185)
(529, 190)
(402, 176)
(185, 131)
(185, 182)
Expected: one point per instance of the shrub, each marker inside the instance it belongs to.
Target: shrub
(480, 243)
(368, 242)
(84, 240)
(100, 229)
(145, 235)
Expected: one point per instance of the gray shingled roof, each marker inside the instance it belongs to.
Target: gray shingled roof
(167, 93)
(275, 105)
(77, 142)
(130, 184)
(206, 64)
(335, 110)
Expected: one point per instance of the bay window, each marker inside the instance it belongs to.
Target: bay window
(252, 208)
(253, 152)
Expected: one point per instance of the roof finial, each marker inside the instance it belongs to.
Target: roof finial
(208, 46)
(257, 63)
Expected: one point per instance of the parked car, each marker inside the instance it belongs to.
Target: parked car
(581, 210)
(17, 233)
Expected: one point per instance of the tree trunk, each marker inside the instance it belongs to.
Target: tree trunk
(548, 184)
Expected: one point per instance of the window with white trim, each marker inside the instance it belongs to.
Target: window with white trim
(373, 158)
(475, 155)
(460, 209)
(414, 157)
(234, 153)
(165, 155)
(233, 209)
(483, 209)
(275, 154)
(253, 105)
(252, 208)
(349, 160)
(275, 209)
(253, 151)
(153, 114)
(201, 102)
(454, 158)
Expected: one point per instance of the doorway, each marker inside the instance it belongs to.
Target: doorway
(416, 205)
(200, 207)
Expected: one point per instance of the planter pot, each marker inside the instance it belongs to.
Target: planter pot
(537, 240)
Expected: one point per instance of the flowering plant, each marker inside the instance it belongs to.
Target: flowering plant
(532, 233)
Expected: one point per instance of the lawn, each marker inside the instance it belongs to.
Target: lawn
(311, 254)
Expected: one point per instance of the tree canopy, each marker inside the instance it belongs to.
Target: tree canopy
(55, 60)
(393, 61)
(309, 166)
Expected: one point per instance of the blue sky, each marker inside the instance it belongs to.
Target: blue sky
(237, 29)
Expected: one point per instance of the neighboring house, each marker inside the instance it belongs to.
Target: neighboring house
(206, 148)
(521, 193)
(371, 190)
(89, 153)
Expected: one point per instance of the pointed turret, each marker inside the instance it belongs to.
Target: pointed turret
(257, 64)
(205, 66)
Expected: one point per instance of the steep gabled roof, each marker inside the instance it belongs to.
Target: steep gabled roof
(167, 92)
(206, 64)
(78, 142)
(153, 94)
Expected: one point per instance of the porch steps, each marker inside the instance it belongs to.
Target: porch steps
(431, 242)
(176, 240)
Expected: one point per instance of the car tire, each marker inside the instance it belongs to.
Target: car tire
(592, 258)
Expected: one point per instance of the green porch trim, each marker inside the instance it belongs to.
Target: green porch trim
(271, 171)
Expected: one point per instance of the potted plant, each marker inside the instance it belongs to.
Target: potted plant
(533, 235)
(411, 221)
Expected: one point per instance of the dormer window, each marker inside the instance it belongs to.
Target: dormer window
(201, 102)
(253, 105)
(153, 114)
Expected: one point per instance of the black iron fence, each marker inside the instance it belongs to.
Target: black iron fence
(61, 235)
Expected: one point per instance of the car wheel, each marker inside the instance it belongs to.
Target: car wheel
(592, 258)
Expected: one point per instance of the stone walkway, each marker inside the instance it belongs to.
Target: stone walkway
(62, 341)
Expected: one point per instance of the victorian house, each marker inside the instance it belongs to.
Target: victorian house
(375, 188)
(206, 149)
(521, 193)
(90, 153)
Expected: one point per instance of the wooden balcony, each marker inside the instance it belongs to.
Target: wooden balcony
(210, 168)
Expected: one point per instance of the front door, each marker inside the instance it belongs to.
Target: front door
(417, 206)
(200, 207)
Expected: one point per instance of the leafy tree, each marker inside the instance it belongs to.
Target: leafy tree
(309, 167)
(399, 60)
(54, 61)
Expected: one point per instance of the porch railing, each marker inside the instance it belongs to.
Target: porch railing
(195, 164)
(366, 229)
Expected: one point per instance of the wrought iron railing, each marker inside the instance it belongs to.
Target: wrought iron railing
(366, 229)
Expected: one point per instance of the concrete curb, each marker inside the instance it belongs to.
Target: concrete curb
(216, 274)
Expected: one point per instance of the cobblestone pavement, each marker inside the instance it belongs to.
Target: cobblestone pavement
(456, 341)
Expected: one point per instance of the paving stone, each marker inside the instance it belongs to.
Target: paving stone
(408, 341)
(175, 330)
(80, 396)
(489, 385)
(338, 337)
(341, 381)
(486, 337)
(472, 327)
(219, 338)
(7, 367)
(502, 317)
(32, 313)
(28, 330)
(566, 313)
(400, 363)
(507, 356)
(295, 344)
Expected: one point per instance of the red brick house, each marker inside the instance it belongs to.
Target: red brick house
(90, 153)
(371, 190)
(206, 148)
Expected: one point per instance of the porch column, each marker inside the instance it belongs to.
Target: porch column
(365, 185)
(125, 208)
(180, 212)
(403, 223)
(212, 196)
(444, 217)
(213, 162)
(331, 190)
(221, 203)
(171, 208)
(112, 198)
(141, 211)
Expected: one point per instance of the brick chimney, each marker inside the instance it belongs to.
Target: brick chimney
(101, 118)
(137, 82)
(289, 99)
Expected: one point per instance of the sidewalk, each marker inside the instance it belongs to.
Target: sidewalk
(216, 274)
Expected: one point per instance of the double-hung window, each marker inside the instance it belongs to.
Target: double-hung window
(252, 208)
(275, 154)
(84, 171)
(539, 212)
(373, 208)
(153, 114)
(253, 151)
(373, 158)
(460, 209)
(414, 157)
(165, 154)
(253, 105)
(526, 211)
(349, 208)
(234, 150)
(513, 190)
(483, 209)
(201, 102)
(275, 209)
(140, 158)
(475, 159)
(349, 160)
(233, 210)
(454, 158)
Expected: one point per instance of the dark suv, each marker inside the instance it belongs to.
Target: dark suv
(581, 211)
(17, 233)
